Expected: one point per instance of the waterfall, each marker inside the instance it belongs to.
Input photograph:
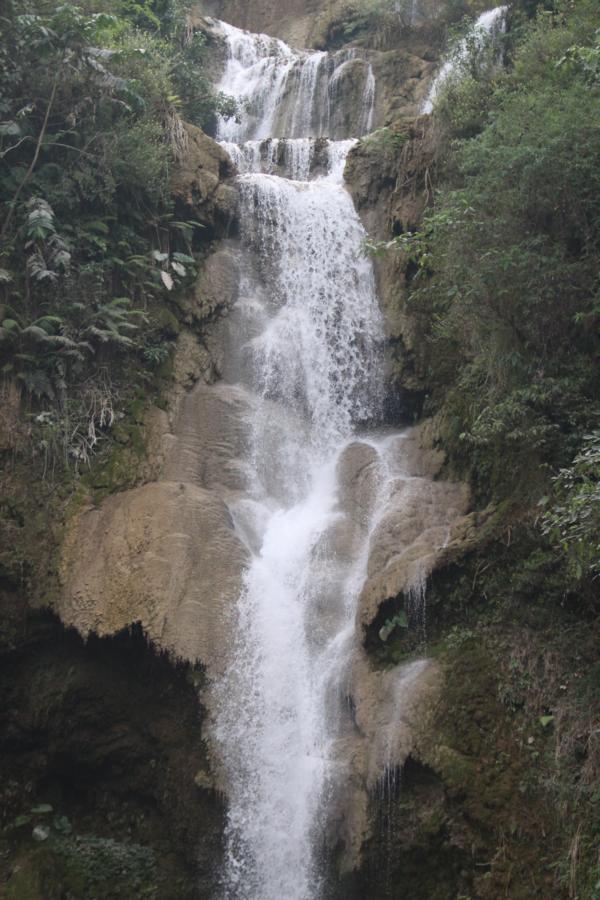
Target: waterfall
(293, 93)
(306, 337)
(488, 26)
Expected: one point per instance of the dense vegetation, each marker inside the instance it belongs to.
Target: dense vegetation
(503, 295)
(508, 273)
(91, 107)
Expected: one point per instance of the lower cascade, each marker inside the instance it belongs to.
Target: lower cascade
(294, 734)
(309, 332)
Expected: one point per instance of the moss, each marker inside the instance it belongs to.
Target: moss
(108, 735)
(119, 467)
(167, 322)
(456, 770)
(86, 868)
(494, 763)
(136, 409)
(27, 881)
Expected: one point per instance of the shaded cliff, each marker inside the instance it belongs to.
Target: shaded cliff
(105, 790)
(108, 791)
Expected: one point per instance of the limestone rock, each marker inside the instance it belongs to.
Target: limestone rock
(356, 478)
(197, 181)
(210, 439)
(164, 555)
(192, 362)
(292, 20)
(217, 286)
(388, 706)
(302, 23)
(389, 177)
(421, 519)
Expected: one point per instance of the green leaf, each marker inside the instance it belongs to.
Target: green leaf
(49, 323)
(399, 621)
(98, 226)
(546, 720)
(35, 332)
(22, 820)
(42, 809)
(63, 825)
(9, 129)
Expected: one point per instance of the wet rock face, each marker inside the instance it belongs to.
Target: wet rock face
(411, 852)
(291, 20)
(109, 735)
(165, 554)
(199, 183)
(309, 23)
(389, 175)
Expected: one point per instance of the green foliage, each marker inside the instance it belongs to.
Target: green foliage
(508, 262)
(90, 126)
(458, 637)
(465, 95)
(573, 520)
(398, 621)
(103, 866)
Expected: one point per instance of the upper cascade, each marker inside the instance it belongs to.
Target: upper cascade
(487, 27)
(287, 93)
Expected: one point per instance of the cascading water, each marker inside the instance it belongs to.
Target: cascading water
(306, 340)
(285, 93)
(487, 27)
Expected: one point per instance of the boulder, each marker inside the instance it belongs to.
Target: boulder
(164, 555)
(198, 181)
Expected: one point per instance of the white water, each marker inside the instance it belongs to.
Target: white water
(307, 337)
(488, 25)
(285, 93)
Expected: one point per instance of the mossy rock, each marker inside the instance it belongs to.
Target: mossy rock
(27, 881)
(85, 868)
(167, 322)
(456, 770)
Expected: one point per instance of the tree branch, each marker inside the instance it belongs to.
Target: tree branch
(14, 146)
(36, 156)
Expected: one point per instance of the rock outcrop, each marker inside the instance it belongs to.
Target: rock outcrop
(420, 521)
(101, 757)
(305, 23)
(389, 175)
(200, 181)
(165, 554)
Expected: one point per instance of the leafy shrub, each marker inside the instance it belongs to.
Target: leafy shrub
(508, 264)
(573, 519)
(89, 128)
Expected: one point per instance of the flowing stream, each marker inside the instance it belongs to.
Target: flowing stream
(306, 347)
